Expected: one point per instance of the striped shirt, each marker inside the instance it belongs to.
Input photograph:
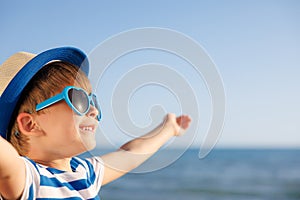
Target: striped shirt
(45, 183)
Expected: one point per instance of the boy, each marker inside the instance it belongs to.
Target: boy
(48, 116)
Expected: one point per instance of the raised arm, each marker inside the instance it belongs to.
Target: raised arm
(135, 152)
(12, 171)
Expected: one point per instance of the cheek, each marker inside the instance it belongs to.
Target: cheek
(55, 126)
(59, 120)
(87, 140)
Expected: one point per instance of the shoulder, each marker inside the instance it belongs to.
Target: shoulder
(93, 164)
(94, 167)
(31, 167)
(32, 181)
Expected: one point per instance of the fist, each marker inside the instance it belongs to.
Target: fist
(178, 124)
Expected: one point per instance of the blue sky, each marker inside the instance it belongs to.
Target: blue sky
(254, 44)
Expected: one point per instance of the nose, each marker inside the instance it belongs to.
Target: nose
(93, 112)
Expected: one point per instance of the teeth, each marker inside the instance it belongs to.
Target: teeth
(87, 128)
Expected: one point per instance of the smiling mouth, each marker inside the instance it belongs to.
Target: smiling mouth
(87, 128)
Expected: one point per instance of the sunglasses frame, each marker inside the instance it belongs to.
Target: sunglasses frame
(64, 96)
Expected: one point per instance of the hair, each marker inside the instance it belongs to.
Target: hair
(50, 80)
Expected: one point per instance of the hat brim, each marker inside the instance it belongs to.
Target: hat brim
(11, 94)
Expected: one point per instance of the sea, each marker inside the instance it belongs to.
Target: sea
(224, 174)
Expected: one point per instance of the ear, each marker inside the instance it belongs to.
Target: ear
(27, 124)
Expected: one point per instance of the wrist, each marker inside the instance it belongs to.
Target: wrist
(170, 128)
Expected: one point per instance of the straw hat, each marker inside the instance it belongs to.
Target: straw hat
(17, 71)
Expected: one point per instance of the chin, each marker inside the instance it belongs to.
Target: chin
(89, 144)
(90, 147)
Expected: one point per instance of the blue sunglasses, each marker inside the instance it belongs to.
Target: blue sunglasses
(76, 98)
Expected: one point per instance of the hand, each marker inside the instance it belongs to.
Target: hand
(179, 124)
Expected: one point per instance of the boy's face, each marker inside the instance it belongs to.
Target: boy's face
(66, 133)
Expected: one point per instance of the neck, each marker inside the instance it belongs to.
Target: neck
(60, 164)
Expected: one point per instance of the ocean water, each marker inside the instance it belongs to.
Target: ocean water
(225, 174)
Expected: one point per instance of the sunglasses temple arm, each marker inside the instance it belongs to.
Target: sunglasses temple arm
(49, 102)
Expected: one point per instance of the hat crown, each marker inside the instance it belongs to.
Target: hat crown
(11, 67)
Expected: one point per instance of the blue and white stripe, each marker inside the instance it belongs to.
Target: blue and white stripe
(44, 183)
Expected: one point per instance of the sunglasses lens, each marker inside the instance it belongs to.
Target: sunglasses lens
(95, 101)
(79, 100)
(96, 104)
